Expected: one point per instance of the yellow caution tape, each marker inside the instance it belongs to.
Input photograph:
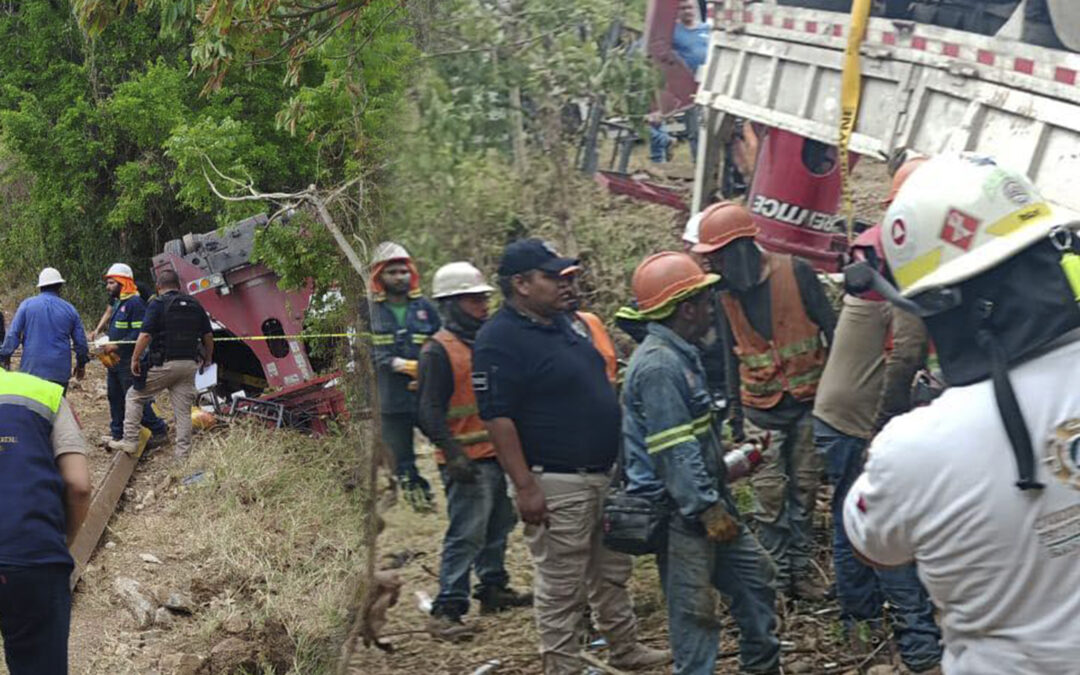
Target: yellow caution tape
(262, 338)
(850, 92)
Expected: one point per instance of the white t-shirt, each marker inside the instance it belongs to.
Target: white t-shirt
(1002, 564)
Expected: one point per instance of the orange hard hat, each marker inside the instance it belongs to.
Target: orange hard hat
(722, 224)
(664, 280)
(901, 176)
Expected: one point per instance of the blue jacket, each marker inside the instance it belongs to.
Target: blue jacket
(670, 447)
(392, 341)
(46, 325)
(32, 517)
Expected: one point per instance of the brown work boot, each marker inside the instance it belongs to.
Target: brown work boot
(808, 587)
(639, 657)
(495, 599)
(449, 628)
(123, 446)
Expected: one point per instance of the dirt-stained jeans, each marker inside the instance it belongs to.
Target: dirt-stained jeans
(785, 490)
(179, 378)
(575, 571)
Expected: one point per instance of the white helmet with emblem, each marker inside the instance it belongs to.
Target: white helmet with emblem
(959, 215)
(459, 278)
(387, 251)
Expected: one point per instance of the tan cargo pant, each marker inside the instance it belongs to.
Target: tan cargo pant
(179, 378)
(574, 572)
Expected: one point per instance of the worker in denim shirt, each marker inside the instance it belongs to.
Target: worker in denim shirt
(672, 455)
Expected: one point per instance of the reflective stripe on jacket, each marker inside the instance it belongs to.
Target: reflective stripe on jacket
(795, 357)
(462, 415)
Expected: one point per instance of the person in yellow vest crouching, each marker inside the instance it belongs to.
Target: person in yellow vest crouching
(478, 504)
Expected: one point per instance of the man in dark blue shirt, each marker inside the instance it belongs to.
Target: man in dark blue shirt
(544, 395)
(125, 323)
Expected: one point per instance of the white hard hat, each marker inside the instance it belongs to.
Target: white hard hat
(958, 216)
(388, 251)
(49, 277)
(120, 270)
(458, 278)
(691, 235)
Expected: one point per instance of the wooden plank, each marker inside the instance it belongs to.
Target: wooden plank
(102, 506)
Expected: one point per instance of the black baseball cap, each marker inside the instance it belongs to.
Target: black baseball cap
(533, 254)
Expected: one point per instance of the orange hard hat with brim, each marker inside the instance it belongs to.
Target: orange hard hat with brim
(664, 280)
(722, 224)
(901, 176)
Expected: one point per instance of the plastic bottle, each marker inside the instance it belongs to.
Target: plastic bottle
(741, 461)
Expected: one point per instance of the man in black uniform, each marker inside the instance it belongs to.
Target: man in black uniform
(177, 331)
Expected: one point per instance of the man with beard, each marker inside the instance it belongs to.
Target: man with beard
(779, 322)
(125, 323)
(401, 321)
(477, 503)
(552, 414)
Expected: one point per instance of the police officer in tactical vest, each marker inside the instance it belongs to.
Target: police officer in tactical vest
(177, 332)
(44, 497)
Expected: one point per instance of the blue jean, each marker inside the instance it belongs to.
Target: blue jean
(481, 518)
(660, 140)
(862, 589)
(35, 618)
(117, 381)
(690, 567)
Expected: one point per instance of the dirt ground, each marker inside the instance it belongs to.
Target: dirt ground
(105, 639)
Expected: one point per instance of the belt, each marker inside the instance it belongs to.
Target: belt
(565, 468)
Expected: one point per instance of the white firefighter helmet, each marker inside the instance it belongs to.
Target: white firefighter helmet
(387, 251)
(120, 270)
(691, 234)
(48, 277)
(958, 216)
(459, 278)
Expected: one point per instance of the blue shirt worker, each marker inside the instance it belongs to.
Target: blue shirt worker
(546, 401)
(401, 322)
(44, 498)
(125, 322)
(47, 327)
(673, 456)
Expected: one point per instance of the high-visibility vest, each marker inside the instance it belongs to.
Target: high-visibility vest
(794, 359)
(33, 522)
(602, 341)
(463, 417)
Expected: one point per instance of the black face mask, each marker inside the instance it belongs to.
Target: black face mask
(458, 321)
(1007, 315)
(740, 264)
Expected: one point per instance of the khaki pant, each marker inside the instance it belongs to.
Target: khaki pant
(179, 378)
(574, 572)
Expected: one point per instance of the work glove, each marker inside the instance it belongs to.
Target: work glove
(720, 526)
(461, 469)
(405, 366)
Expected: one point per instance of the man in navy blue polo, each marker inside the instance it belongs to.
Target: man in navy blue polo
(549, 407)
(44, 498)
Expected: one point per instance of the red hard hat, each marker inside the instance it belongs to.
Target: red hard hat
(664, 279)
(901, 176)
(722, 224)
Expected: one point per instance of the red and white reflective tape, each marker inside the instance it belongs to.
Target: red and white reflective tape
(775, 19)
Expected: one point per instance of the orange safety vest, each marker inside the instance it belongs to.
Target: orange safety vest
(602, 341)
(463, 417)
(795, 357)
